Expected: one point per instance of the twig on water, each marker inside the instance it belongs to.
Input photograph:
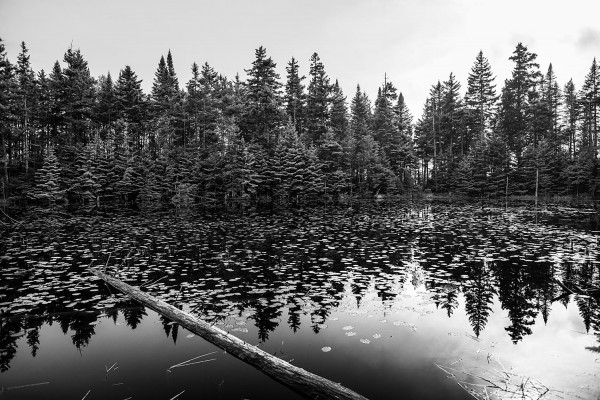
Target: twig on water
(177, 395)
(108, 369)
(187, 362)
(107, 260)
(24, 386)
(503, 382)
(192, 363)
(150, 283)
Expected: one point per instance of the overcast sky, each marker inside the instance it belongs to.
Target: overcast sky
(416, 42)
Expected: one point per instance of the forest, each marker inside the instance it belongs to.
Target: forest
(70, 138)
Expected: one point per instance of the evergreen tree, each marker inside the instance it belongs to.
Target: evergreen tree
(480, 101)
(384, 116)
(26, 103)
(401, 154)
(56, 94)
(6, 115)
(213, 94)
(105, 110)
(193, 103)
(479, 296)
(262, 115)
(132, 108)
(167, 108)
(590, 103)
(48, 181)
(295, 98)
(570, 116)
(516, 101)
(338, 113)
(550, 102)
(450, 128)
(317, 101)
(78, 98)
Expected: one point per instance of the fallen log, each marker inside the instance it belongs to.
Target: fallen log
(299, 380)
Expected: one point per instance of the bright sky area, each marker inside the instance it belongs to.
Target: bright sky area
(416, 42)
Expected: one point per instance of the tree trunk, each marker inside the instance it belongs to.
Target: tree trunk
(299, 380)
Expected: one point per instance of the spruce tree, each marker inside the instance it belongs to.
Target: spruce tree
(338, 113)
(105, 110)
(384, 116)
(26, 101)
(570, 116)
(262, 115)
(132, 108)
(6, 94)
(317, 101)
(516, 101)
(48, 187)
(294, 98)
(550, 102)
(78, 98)
(56, 95)
(589, 99)
(480, 100)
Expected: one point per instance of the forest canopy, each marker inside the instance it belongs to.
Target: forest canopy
(70, 138)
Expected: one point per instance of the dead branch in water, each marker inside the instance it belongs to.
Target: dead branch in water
(301, 381)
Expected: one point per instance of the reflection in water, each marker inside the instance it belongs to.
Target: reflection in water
(284, 269)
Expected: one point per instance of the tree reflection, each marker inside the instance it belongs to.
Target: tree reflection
(133, 315)
(479, 295)
(516, 296)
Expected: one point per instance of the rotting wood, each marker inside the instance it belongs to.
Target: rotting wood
(299, 380)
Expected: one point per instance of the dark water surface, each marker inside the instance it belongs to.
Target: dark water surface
(392, 302)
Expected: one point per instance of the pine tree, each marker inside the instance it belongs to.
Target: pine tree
(479, 296)
(295, 98)
(167, 107)
(516, 102)
(589, 98)
(550, 102)
(317, 101)
(132, 108)
(26, 101)
(360, 110)
(162, 91)
(6, 94)
(193, 103)
(384, 116)
(173, 81)
(105, 110)
(48, 181)
(401, 154)
(314, 183)
(56, 95)
(338, 113)
(262, 115)
(78, 98)
(212, 95)
(570, 116)
(480, 101)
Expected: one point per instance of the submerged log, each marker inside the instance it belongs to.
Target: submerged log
(299, 380)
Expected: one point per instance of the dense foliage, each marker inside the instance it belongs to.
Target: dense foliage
(67, 137)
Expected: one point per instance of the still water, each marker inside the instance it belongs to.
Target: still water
(415, 301)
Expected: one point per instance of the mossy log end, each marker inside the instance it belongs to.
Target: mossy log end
(299, 380)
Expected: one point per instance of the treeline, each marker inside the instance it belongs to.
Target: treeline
(69, 137)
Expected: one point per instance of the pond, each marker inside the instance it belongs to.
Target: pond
(409, 301)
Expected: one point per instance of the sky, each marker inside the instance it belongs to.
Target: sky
(414, 42)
